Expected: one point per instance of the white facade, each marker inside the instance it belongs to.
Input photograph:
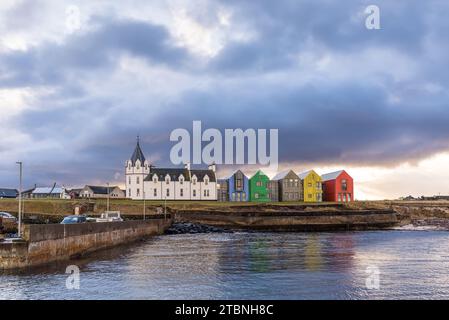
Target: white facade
(142, 180)
(135, 176)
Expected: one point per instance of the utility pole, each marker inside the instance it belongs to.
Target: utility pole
(20, 198)
(165, 207)
(144, 205)
(107, 205)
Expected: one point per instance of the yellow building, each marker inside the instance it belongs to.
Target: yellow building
(312, 190)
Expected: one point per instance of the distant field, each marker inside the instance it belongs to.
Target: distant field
(65, 207)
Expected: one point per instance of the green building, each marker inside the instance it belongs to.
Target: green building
(258, 191)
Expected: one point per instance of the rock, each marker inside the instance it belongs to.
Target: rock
(192, 228)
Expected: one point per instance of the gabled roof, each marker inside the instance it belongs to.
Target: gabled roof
(48, 190)
(200, 174)
(304, 174)
(10, 193)
(138, 154)
(233, 173)
(174, 173)
(331, 175)
(281, 175)
(101, 189)
(258, 172)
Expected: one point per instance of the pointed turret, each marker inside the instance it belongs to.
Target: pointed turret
(138, 154)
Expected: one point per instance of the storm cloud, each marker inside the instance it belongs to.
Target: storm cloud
(338, 92)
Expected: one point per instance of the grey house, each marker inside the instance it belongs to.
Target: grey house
(222, 190)
(290, 186)
(273, 190)
(8, 193)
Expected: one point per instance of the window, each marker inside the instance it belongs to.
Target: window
(138, 166)
(238, 183)
(256, 195)
(309, 185)
(167, 180)
(129, 180)
(155, 179)
(344, 185)
(129, 193)
(233, 196)
(296, 182)
(181, 180)
(138, 192)
(138, 180)
(155, 192)
(206, 193)
(318, 185)
(349, 197)
(309, 196)
(194, 193)
(206, 181)
(167, 193)
(129, 165)
(244, 196)
(181, 192)
(194, 181)
(339, 197)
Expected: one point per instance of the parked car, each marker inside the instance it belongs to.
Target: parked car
(110, 216)
(8, 217)
(74, 219)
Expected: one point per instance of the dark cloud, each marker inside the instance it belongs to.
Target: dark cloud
(52, 63)
(371, 114)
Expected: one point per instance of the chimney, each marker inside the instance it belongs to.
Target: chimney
(213, 167)
(187, 166)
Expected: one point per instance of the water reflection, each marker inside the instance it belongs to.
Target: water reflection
(250, 266)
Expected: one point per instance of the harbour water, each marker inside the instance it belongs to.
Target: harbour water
(340, 265)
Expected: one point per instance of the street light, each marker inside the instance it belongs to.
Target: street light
(144, 205)
(20, 198)
(107, 205)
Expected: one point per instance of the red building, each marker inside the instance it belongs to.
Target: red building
(338, 186)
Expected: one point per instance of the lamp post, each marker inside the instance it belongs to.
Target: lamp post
(107, 204)
(165, 207)
(144, 205)
(20, 198)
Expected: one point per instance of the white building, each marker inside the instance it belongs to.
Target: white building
(144, 180)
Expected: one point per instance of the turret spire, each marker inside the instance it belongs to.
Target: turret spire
(138, 154)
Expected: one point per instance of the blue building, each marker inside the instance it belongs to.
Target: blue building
(234, 188)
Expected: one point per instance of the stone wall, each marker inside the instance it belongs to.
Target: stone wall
(296, 221)
(55, 242)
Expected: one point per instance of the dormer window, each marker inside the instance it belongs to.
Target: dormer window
(181, 180)
(155, 179)
(167, 180)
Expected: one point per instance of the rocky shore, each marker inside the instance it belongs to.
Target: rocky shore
(192, 228)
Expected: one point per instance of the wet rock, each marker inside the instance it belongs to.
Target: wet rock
(193, 228)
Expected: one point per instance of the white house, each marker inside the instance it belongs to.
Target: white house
(144, 180)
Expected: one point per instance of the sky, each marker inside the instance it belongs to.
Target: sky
(79, 80)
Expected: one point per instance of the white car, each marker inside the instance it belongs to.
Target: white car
(110, 216)
(8, 217)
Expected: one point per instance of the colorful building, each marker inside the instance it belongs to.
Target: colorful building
(312, 190)
(289, 186)
(258, 187)
(338, 186)
(238, 187)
